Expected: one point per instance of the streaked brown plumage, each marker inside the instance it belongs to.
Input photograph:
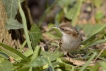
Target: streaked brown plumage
(71, 39)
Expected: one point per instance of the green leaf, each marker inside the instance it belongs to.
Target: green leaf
(94, 42)
(55, 35)
(26, 53)
(14, 51)
(103, 65)
(3, 55)
(71, 12)
(103, 54)
(35, 35)
(6, 66)
(99, 15)
(35, 53)
(11, 7)
(97, 3)
(71, 9)
(52, 55)
(58, 33)
(98, 42)
(9, 53)
(1, 59)
(95, 67)
(37, 62)
(96, 31)
(23, 69)
(65, 3)
(13, 24)
(90, 29)
(88, 62)
(64, 66)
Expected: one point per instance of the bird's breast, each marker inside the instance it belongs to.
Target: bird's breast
(69, 43)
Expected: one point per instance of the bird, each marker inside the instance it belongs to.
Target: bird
(71, 38)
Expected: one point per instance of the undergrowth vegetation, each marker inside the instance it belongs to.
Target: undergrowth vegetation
(90, 56)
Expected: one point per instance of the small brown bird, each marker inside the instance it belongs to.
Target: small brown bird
(71, 39)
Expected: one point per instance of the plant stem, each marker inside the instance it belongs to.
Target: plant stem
(87, 63)
(25, 26)
(77, 12)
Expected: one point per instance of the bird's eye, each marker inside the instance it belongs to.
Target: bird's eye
(62, 29)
